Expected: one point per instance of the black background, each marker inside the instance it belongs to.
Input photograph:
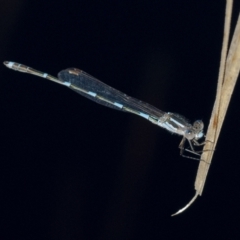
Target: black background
(72, 169)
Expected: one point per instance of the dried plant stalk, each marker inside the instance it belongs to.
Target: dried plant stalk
(228, 74)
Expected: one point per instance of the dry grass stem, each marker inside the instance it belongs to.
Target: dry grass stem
(228, 74)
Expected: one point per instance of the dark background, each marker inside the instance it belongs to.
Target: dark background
(72, 169)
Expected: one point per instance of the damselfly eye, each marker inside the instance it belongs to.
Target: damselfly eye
(198, 125)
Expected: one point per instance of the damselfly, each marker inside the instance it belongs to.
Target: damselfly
(99, 92)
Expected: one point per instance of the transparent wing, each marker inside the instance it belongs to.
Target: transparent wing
(99, 92)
